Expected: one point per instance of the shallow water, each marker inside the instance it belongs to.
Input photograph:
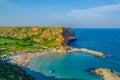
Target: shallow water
(78, 65)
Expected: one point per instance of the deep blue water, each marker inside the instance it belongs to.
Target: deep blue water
(78, 65)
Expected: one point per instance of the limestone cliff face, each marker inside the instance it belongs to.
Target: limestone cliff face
(47, 36)
(68, 35)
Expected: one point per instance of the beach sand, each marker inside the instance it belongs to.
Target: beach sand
(24, 59)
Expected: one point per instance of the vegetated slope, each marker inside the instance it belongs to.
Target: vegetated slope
(46, 36)
(35, 37)
(12, 72)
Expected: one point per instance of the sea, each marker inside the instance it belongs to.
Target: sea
(78, 65)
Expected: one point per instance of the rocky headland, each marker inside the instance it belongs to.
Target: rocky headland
(68, 36)
(107, 74)
(49, 37)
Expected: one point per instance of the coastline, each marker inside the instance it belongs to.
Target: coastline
(24, 58)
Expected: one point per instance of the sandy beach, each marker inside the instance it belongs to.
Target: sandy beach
(24, 59)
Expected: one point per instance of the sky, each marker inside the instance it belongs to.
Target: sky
(74, 13)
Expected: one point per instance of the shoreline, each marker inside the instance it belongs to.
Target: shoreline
(23, 58)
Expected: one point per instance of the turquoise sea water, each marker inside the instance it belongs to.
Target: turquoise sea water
(77, 66)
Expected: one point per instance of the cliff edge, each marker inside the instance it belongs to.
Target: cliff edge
(68, 35)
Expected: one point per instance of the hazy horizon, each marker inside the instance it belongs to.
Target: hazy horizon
(74, 13)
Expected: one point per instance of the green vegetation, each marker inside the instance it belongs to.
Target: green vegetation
(12, 72)
(11, 45)
(29, 38)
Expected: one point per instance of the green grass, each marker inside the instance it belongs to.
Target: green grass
(11, 45)
(2, 41)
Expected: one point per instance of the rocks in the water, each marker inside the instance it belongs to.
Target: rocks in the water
(107, 74)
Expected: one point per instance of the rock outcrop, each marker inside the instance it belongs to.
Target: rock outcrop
(107, 74)
(68, 35)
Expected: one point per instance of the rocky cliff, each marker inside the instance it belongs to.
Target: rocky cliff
(68, 35)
